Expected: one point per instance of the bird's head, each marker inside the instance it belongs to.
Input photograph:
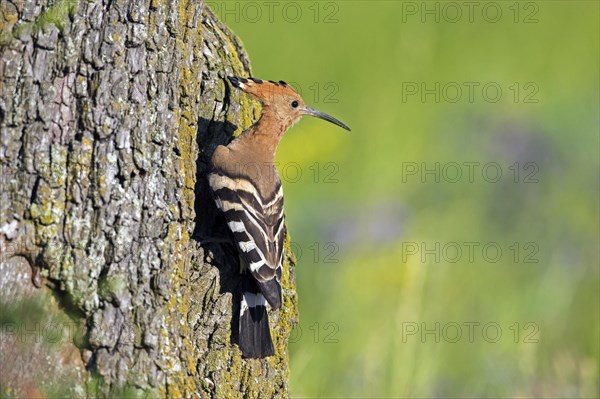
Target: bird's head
(280, 99)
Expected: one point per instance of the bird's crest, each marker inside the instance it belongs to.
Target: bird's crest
(265, 91)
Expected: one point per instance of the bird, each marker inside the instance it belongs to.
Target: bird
(247, 189)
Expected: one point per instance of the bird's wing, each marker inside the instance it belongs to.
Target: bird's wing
(258, 227)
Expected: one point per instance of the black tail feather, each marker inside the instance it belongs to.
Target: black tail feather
(272, 292)
(255, 335)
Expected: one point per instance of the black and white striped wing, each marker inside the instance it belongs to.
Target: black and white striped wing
(257, 225)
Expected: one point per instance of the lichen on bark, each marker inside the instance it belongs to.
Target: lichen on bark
(109, 112)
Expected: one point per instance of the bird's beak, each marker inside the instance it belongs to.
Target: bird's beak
(318, 114)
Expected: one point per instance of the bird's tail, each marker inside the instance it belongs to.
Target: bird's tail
(255, 336)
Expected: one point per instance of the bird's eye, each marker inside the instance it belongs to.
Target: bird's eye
(294, 104)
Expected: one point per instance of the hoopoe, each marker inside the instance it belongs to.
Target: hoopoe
(247, 189)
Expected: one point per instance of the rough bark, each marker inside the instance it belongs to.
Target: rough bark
(109, 111)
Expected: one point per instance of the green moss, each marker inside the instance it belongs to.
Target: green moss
(6, 23)
(57, 15)
(15, 312)
(5, 37)
(249, 110)
(22, 29)
(181, 379)
(113, 286)
(94, 384)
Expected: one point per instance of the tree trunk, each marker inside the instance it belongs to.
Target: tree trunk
(109, 112)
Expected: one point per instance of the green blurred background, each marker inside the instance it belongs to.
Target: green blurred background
(388, 306)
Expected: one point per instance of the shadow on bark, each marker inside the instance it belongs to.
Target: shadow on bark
(211, 230)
